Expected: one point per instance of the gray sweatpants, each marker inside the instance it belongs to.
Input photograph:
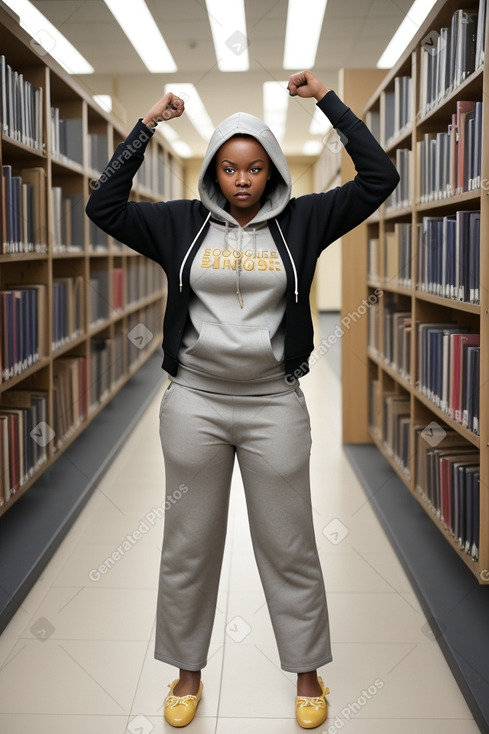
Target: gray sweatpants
(200, 434)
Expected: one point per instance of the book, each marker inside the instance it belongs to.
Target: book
(457, 374)
(451, 55)
(449, 256)
(373, 259)
(68, 294)
(101, 371)
(98, 151)
(449, 161)
(29, 409)
(481, 35)
(68, 219)
(446, 476)
(464, 108)
(22, 328)
(21, 107)
(398, 108)
(66, 137)
(24, 211)
(99, 296)
(70, 397)
(118, 289)
(470, 384)
(397, 255)
(465, 47)
(396, 427)
(401, 196)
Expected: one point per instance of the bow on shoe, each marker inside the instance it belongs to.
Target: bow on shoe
(179, 700)
(316, 701)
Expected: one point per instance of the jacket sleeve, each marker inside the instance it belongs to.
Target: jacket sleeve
(109, 206)
(338, 211)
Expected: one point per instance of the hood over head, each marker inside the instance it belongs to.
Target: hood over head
(277, 193)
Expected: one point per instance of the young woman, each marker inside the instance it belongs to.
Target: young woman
(237, 337)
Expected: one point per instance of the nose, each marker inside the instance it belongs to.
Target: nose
(242, 179)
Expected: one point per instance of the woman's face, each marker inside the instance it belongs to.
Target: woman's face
(242, 170)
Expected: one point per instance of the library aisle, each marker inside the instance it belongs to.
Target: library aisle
(78, 655)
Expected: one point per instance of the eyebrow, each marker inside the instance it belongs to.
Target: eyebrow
(257, 160)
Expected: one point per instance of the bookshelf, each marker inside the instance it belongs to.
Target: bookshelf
(355, 88)
(418, 361)
(80, 312)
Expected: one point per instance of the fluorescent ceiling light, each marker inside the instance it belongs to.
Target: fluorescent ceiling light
(304, 23)
(319, 123)
(228, 27)
(171, 136)
(194, 108)
(168, 132)
(182, 149)
(104, 101)
(405, 33)
(312, 147)
(48, 39)
(275, 104)
(139, 26)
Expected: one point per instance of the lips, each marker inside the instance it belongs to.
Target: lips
(242, 195)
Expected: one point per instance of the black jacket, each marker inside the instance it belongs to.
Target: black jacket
(163, 231)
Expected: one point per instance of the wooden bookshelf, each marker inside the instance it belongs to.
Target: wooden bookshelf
(355, 87)
(129, 290)
(367, 377)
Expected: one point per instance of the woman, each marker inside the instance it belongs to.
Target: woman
(237, 337)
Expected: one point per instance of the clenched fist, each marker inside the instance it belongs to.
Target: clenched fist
(306, 84)
(168, 107)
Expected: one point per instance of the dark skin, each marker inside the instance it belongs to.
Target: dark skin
(242, 171)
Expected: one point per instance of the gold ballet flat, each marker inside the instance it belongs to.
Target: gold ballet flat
(180, 710)
(312, 711)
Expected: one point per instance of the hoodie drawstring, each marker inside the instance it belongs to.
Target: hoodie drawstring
(239, 260)
(238, 267)
(296, 281)
(190, 248)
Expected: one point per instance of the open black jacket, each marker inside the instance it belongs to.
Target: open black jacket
(164, 231)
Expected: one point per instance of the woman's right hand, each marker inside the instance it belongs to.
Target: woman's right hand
(168, 107)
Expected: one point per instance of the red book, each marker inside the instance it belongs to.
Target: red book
(117, 288)
(456, 354)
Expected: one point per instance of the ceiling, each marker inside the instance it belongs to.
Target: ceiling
(354, 35)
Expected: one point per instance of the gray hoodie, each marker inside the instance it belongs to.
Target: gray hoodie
(234, 338)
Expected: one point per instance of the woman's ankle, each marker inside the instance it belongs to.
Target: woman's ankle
(308, 684)
(188, 683)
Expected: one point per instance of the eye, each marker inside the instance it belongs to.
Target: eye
(255, 169)
(229, 169)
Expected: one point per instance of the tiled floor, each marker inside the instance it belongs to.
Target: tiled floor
(78, 655)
